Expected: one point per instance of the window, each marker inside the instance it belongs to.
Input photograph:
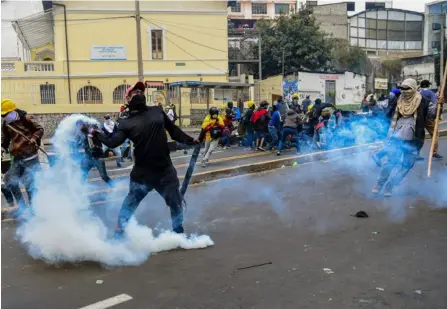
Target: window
(371, 34)
(396, 25)
(350, 6)
(259, 8)
(436, 26)
(435, 45)
(396, 36)
(282, 8)
(89, 95)
(414, 26)
(47, 94)
(381, 24)
(119, 93)
(362, 22)
(381, 34)
(371, 23)
(236, 7)
(354, 32)
(157, 44)
(371, 44)
(413, 36)
(374, 5)
(435, 8)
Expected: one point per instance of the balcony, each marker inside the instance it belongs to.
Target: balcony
(32, 68)
(39, 67)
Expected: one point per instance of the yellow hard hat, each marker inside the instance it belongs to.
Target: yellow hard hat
(8, 106)
(251, 103)
(295, 95)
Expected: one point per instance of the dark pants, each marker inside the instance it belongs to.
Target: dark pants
(22, 171)
(274, 132)
(285, 134)
(166, 183)
(226, 141)
(250, 136)
(89, 162)
(401, 157)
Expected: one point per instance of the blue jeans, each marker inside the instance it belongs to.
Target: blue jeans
(249, 139)
(401, 156)
(274, 133)
(226, 141)
(124, 146)
(88, 162)
(285, 134)
(259, 134)
(167, 185)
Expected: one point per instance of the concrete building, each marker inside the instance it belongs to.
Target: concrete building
(420, 68)
(184, 41)
(354, 6)
(12, 47)
(333, 18)
(388, 33)
(244, 14)
(435, 15)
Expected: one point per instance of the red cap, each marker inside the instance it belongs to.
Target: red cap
(138, 85)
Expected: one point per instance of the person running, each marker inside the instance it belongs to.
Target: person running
(407, 137)
(260, 120)
(93, 155)
(274, 127)
(430, 96)
(248, 125)
(110, 128)
(291, 123)
(23, 148)
(146, 127)
(211, 132)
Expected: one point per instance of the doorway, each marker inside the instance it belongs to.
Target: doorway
(330, 92)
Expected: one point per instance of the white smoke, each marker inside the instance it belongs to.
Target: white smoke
(62, 228)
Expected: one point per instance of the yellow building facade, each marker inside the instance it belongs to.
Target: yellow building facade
(181, 41)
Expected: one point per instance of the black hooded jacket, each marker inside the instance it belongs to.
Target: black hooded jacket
(147, 130)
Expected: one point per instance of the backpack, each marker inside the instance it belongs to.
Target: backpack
(216, 132)
(405, 128)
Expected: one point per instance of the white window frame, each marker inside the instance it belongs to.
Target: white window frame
(149, 36)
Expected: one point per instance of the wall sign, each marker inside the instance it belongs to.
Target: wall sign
(108, 53)
(381, 83)
(328, 77)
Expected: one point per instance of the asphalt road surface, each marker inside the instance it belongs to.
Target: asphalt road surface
(296, 221)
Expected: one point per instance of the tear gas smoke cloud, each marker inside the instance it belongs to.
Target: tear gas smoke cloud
(63, 228)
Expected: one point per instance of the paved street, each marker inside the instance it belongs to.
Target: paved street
(296, 219)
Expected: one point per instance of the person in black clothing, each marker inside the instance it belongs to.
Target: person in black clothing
(93, 152)
(153, 169)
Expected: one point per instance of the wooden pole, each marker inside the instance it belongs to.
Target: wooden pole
(435, 132)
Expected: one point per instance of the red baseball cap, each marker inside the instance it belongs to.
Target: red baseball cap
(138, 85)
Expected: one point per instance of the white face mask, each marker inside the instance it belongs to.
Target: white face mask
(11, 117)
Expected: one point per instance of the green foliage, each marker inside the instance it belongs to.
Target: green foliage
(349, 58)
(305, 47)
(393, 67)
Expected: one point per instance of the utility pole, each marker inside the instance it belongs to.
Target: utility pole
(441, 72)
(139, 52)
(260, 56)
(282, 61)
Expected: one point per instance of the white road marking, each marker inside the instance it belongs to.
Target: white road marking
(109, 302)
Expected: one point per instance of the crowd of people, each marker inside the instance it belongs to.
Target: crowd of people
(261, 127)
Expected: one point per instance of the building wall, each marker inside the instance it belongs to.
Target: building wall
(432, 35)
(194, 48)
(269, 88)
(246, 10)
(420, 71)
(350, 87)
(333, 19)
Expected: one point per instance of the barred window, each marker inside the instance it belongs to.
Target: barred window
(47, 94)
(89, 95)
(119, 93)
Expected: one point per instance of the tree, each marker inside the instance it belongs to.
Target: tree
(349, 58)
(393, 67)
(298, 36)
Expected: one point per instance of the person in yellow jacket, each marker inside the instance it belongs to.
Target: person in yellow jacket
(212, 127)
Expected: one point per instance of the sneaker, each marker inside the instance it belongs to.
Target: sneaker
(388, 192)
(179, 230)
(278, 153)
(203, 163)
(437, 156)
(419, 158)
(119, 164)
(377, 188)
(376, 160)
(261, 149)
(185, 151)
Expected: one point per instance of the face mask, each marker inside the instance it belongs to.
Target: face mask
(11, 117)
(407, 94)
(138, 102)
(214, 116)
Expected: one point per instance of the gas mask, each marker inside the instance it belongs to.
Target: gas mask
(11, 117)
(138, 102)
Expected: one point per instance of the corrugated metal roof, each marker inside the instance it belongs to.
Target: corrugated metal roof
(35, 30)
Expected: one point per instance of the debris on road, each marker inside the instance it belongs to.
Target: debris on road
(328, 271)
(295, 164)
(419, 292)
(253, 266)
(380, 289)
(99, 281)
(374, 233)
(361, 214)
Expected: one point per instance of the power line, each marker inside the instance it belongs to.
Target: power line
(191, 25)
(181, 48)
(39, 20)
(185, 28)
(186, 39)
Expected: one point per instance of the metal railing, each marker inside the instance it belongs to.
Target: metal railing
(8, 66)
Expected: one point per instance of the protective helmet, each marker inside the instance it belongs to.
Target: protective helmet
(214, 111)
(295, 96)
(8, 106)
(251, 104)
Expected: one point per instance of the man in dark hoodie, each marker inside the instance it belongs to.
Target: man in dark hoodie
(146, 127)
(24, 150)
(291, 123)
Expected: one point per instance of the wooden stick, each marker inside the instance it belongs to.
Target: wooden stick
(25, 137)
(435, 131)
